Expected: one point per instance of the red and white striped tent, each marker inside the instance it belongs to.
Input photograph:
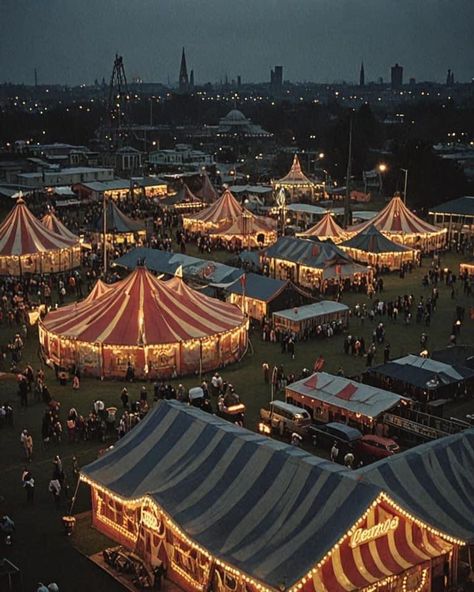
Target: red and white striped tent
(248, 229)
(402, 226)
(163, 329)
(53, 223)
(295, 181)
(224, 210)
(28, 246)
(326, 229)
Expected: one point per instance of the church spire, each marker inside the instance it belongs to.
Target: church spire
(183, 74)
(362, 75)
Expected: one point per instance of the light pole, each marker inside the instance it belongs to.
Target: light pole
(382, 169)
(405, 185)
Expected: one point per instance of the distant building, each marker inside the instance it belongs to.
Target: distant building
(276, 79)
(236, 124)
(450, 78)
(362, 75)
(396, 76)
(182, 155)
(183, 75)
(64, 177)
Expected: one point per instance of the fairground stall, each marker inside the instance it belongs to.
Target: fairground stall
(162, 329)
(119, 227)
(326, 229)
(402, 226)
(224, 211)
(259, 295)
(371, 247)
(54, 224)
(466, 270)
(304, 320)
(328, 398)
(422, 378)
(27, 246)
(310, 264)
(225, 509)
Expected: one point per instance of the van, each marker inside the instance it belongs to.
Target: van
(285, 418)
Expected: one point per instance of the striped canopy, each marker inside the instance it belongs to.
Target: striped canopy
(99, 289)
(53, 223)
(326, 228)
(274, 511)
(142, 310)
(225, 209)
(396, 218)
(207, 192)
(295, 175)
(246, 224)
(307, 252)
(23, 234)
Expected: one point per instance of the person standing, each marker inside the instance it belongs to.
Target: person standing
(29, 486)
(27, 441)
(124, 397)
(334, 452)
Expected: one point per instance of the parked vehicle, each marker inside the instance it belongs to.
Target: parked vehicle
(324, 436)
(371, 447)
(284, 418)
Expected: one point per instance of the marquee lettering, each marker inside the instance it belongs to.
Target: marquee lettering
(365, 535)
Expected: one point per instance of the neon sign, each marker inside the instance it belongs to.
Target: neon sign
(365, 535)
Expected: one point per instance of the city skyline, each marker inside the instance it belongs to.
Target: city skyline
(316, 42)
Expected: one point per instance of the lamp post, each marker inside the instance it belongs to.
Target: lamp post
(382, 168)
(405, 185)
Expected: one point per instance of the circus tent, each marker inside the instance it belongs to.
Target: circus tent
(402, 226)
(28, 246)
(226, 209)
(99, 289)
(326, 229)
(207, 192)
(53, 223)
(295, 181)
(119, 227)
(162, 329)
(183, 200)
(371, 247)
(248, 229)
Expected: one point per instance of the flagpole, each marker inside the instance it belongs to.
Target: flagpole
(348, 178)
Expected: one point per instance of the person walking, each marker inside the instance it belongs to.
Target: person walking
(334, 452)
(55, 489)
(27, 442)
(124, 397)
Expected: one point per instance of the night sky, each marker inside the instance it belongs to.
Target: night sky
(74, 41)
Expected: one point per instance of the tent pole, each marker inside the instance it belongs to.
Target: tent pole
(104, 204)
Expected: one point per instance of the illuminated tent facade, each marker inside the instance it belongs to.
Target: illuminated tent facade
(28, 246)
(371, 247)
(224, 211)
(248, 230)
(402, 226)
(296, 183)
(310, 264)
(326, 229)
(183, 201)
(162, 329)
(226, 509)
(119, 227)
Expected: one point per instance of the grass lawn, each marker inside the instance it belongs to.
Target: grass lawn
(42, 550)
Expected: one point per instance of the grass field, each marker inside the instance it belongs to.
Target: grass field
(41, 549)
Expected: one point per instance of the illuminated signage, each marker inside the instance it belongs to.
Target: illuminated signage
(365, 535)
(149, 519)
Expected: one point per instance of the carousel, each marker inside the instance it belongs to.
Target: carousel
(295, 183)
(247, 230)
(159, 329)
(28, 246)
(371, 247)
(224, 211)
(326, 229)
(402, 226)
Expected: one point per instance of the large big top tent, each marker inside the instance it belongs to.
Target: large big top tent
(162, 329)
(225, 210)
(370, 246)
(326, 229)
(225, 509)
(27, 246)
(400, 225)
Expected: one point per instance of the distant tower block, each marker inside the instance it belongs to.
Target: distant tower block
(183, 75)
(276, 79)
(362, 75)
(396, 76)
(191, 80)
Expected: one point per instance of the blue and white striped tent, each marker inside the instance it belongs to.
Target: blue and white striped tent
(269, 509)
(262, 506)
